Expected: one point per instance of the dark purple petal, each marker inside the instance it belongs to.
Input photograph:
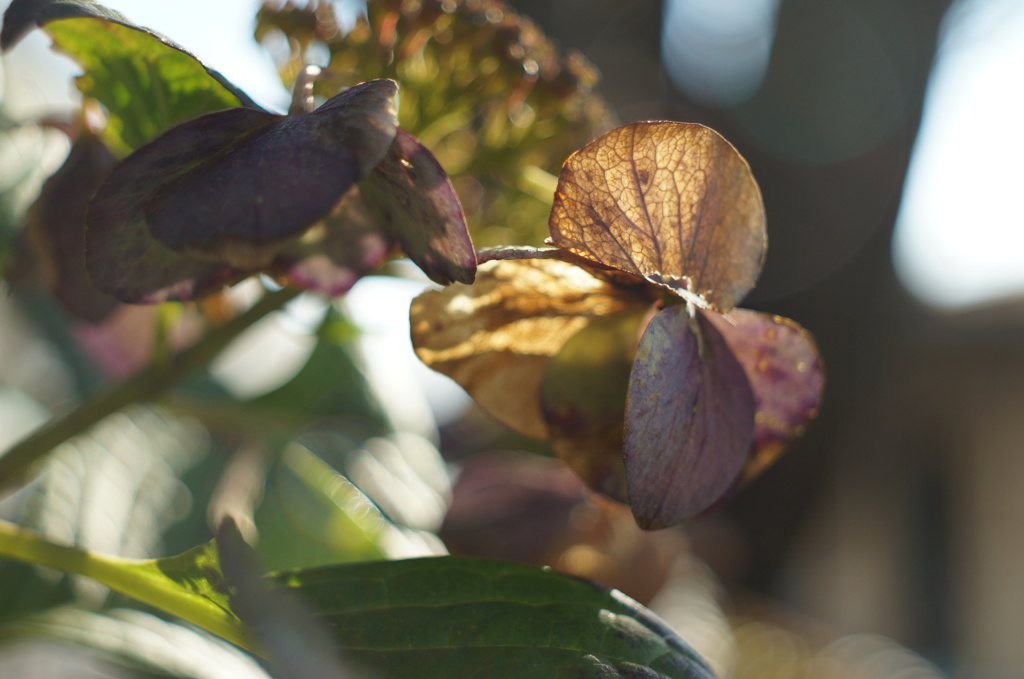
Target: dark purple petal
(122, 257)
(244, 194)
(415, 202)
(689, 419)
(335, 254)
(214, 199)
(785, 372)
(55, 233)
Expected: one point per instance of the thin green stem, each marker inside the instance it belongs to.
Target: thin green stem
(146, 385)
(140, 579)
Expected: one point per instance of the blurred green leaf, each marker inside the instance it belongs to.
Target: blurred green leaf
(142, 641)
(147, 82)
(330, 384)
(311, 516)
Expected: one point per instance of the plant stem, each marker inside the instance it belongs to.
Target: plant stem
(145, 385)
(139, 579)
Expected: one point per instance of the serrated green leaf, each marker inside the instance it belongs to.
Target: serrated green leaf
(146, 85)
(452, 617)
(147, 82)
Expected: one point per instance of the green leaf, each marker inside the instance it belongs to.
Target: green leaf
(432, 617)
(188, 585)
(459, 617)
(147, 82)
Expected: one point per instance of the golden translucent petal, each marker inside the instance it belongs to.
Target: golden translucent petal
(496, 337)
(672, 202)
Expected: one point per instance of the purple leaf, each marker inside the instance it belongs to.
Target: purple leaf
(785, 372)
(414, 201)
(334, 255)
(55, 232)
(254, 188)
(689, 419)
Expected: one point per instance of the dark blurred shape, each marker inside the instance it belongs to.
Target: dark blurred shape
(835, 89)
(300, 646)
(511, 506)
(50, 252)
(522, 507)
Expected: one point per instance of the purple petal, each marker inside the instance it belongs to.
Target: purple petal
(689, 419)
(248, 190)
(347, 246)
(122, 257)
(785, 372)
(415, 202)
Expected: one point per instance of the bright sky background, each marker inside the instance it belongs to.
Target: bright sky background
(960, 235)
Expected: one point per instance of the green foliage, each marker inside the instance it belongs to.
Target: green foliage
(146, 82)
(145, 85)
(188, 585)
(307, 517)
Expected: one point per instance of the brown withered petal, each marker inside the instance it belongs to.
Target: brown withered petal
(672, 202)
(786, 375)
(416, 204)
(496, 337)
(583, 399)
(617, 278)
(257, 186)
(689, 419)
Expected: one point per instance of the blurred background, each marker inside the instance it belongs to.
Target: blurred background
(887, 542)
